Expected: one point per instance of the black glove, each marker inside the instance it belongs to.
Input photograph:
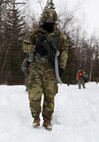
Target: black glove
(61, 70)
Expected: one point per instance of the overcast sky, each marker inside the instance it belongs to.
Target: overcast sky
(87, 11)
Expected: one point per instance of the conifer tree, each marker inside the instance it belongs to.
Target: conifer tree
(10, 70)
(50, 4)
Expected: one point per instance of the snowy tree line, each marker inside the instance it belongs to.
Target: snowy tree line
(83, 51)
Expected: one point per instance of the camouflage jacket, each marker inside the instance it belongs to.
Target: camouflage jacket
(29, 44)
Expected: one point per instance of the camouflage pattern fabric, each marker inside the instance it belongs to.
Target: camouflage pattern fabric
(49, 15)
(41, 79)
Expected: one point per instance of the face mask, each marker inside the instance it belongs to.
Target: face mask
(49, 27)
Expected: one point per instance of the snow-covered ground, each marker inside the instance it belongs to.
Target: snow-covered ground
(75, 119)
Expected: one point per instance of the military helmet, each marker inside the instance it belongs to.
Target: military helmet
(49, 16)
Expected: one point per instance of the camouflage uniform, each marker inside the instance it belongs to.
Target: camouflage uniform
(80, 79)
(42, 80)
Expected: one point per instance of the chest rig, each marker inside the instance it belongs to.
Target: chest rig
(52, 39)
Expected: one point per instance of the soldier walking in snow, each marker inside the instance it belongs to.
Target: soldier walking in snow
(42, 78)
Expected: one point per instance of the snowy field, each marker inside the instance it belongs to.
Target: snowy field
(75, 119)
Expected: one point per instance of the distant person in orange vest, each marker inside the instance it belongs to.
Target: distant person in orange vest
(80, 78)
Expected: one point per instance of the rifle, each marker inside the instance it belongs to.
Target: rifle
(53, 55)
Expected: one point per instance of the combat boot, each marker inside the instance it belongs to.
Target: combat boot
(47, 125)
(36, 122)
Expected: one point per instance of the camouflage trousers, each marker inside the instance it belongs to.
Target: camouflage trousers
(42, 81)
